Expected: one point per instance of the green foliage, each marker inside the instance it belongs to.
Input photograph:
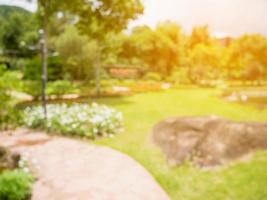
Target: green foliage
(78, 54)
(60, 88)
(254, 71)
(153, 76)
(17, 35)
(83, 43)
(207, 58)
(246, 58)
(205, 63)
(112, 48)
(179, 76)
(160, 49)
(5, 108)
(32, 69)
(107, 16)
(32, 88)
(15, 185)
(55, 69)
(9, 81)
(199, 35)
(6, 11)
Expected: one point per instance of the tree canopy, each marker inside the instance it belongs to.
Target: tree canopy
(17, 35)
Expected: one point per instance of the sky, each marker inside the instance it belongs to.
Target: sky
(224, 17)
(22, 3)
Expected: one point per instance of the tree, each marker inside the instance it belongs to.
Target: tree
(78, 53)
(205, 62)
(47, 9)
(17, 35)
(130, 48)
(172, 44)
(247, 58)
(199, 35)
(100, 17)
(112, 48)
(160, 49)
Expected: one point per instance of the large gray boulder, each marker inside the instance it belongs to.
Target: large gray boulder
(208, 141)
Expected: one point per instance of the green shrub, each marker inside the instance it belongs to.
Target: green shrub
(15, 185)
(78, 53)
(105, 83)
(60, 88)
(128, 82)
(152, 76)
(9, 81)
(33, 69)
(9, 117)
(179, 77)
(33, 88)
(55, 68)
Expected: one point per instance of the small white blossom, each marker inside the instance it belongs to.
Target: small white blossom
(26, 170)
(21, 163)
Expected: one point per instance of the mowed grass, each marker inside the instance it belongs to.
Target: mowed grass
(244, 181)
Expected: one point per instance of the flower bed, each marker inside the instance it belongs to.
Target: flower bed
(77, 119)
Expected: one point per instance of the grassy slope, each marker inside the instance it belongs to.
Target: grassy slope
(142, 111)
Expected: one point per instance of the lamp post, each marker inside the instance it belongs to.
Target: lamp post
(43, 10)
(43, 50)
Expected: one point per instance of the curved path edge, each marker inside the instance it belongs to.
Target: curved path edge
(68, 169)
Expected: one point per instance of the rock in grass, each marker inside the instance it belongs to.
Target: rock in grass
(208, 141)
(8, 160)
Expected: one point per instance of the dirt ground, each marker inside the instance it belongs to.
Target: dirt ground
(208, 141)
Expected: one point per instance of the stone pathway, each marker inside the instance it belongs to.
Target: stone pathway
(68, 169)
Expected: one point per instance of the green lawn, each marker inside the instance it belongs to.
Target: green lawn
(244, 181)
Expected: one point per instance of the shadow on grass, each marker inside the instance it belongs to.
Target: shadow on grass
(108, 100)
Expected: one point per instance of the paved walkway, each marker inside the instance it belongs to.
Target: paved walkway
(74, 170)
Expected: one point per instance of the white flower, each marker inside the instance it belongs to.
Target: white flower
(26, 170)
(24, 158)
(21, 163)
(97, 119)
(95, 130)
(118, 115)
(94, 105)
(75, 119)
